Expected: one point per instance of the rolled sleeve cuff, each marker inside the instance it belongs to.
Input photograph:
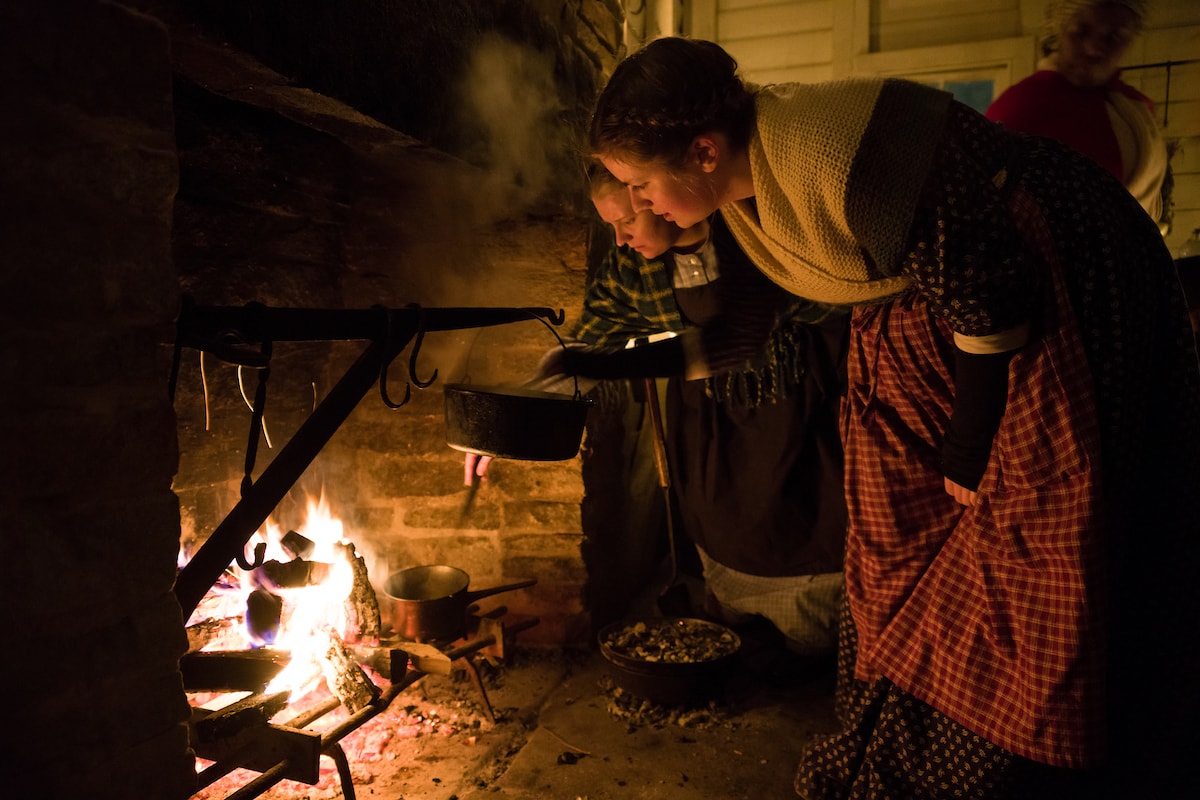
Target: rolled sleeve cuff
(1002, 342)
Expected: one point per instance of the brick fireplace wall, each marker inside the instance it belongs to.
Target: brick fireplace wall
(92, 633)
(144, 158)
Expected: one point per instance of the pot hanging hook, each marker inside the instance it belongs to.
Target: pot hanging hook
(412, 359)
(383, 369)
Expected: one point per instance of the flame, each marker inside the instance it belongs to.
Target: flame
(315, 611)
(322, 528)
(311, 614)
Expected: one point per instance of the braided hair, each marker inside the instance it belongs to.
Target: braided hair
(664, 95)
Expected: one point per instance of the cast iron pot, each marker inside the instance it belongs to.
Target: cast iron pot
(523, 423)
(513, 422)
(671, 682)
(429, 603)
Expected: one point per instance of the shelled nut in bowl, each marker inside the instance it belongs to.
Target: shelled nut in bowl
(671, 660)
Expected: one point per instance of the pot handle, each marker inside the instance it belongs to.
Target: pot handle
(478, 594)
(563, 345)
(550, 323)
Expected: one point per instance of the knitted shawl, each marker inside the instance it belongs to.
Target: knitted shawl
(838, 169)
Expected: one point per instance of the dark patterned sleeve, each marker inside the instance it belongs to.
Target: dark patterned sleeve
(966, 254)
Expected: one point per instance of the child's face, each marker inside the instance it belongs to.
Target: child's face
(683, 196)
(645, 232)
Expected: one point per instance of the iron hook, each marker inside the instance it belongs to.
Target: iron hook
(383, 392)
(383, 371)
(412, 359)
(260, 552)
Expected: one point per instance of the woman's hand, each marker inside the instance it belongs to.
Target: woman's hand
(962, 494)
(475, 465)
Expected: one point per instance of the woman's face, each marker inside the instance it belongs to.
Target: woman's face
(644, 231)
(683, 196)
(1093, 42)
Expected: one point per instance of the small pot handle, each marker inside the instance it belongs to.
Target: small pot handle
(478, 594)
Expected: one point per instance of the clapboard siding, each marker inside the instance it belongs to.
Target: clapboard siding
(782, 52)
(816, 40)
(794, 17)
(777, 41)
(812, 74)
(975, 25)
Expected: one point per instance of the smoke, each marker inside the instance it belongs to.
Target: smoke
(514, 115)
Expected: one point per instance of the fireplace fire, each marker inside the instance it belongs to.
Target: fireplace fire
(287, 657)
(294, 633)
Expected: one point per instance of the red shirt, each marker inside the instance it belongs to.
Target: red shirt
(1046, 104)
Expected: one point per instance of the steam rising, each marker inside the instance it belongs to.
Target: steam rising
(511, 104)
(512, 127)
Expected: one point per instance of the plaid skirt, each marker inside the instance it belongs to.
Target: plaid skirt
(1041, 643)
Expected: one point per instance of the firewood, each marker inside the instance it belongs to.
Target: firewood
(392, 662)
(297, 545)
(344, 677)
(231, 670)
(202, 633)
(264, 611)
(276, 576)
(362, 606)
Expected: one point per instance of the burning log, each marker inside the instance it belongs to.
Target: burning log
(362, 606)
(201, 634)
(296, 545)
(344, 677)
(231, 670)
(264, 612)
(275, 576)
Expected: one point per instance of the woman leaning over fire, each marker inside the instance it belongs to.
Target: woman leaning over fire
(1021, 431)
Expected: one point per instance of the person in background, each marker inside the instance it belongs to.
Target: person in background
(753, 445)
(1021, 427)
(1077, 96)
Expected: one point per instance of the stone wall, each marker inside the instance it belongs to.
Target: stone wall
(92, 630)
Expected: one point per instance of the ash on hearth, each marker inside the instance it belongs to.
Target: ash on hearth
(637, 712)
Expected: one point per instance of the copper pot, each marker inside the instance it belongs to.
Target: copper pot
(430, 603)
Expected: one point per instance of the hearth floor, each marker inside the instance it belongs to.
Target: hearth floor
(564, 732)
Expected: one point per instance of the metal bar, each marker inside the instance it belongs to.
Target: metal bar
(314, 714)
(1167, 64)
(340, 761)
(210, 775)
(352, 723)
(389, 330)
(203, 326)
